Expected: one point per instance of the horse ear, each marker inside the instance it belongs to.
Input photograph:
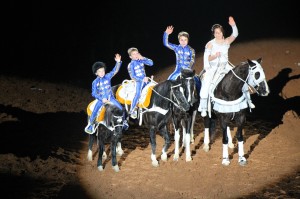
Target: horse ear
(259, 60)
(250, 62)
(194, 72)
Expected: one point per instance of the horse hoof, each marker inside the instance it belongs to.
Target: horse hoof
(164, 157)
(206, 148)
(176, 157)
(243, 161)
(100, 168)
(116, 168)
(225, 161)
(230, 145)
(188, 159)
(155, 163)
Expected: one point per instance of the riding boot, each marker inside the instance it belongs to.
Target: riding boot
(203, 107)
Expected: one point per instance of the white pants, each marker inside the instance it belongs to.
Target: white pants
(210, 77)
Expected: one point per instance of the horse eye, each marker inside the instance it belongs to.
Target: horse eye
(257, 75)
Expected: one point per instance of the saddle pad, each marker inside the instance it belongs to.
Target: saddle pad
(126, 93)
(91, 107)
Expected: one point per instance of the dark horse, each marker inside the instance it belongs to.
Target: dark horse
(228, 96)
(109, 130)
(165, 95)
(185, 119)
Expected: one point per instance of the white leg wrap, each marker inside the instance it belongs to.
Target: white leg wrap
(154, 161)
(90, 155)
(225, 150)
(177, 137)
(184, 137)
(206, 136)
(241, 148)
(188, 148)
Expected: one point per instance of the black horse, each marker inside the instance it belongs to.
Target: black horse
(185, 119)
(109, 130)
(164, 96)
(228, 93)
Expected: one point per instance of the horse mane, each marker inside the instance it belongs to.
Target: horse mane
(186, 72)
(230, 86)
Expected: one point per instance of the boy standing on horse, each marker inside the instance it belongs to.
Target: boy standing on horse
(137, 72)
(216, 61)
(101, 91)
(185, 54)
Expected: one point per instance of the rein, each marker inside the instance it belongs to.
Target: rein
(245, 81)
(177, 105)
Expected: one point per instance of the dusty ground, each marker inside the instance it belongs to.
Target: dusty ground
(43, 145)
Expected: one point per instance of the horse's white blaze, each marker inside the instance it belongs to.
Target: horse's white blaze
(176, 137)
(90, 155)
(189, 92)
(241, 148)
(187, 148)
(230, 144)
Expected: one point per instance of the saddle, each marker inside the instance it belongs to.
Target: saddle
(220, 105)
(127, 90)
(90, 108)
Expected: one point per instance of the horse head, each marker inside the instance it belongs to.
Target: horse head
(257, 78)
(178, 96)
(114, 118)
(188, 84)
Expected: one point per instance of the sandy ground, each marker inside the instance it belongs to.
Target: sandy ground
(43, 146)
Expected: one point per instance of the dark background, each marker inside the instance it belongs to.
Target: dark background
(59, 41)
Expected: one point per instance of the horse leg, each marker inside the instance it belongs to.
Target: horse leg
(91, 142)
(176, 138)
(206, 134)
(166, 146)
(153, 146)
(192, 126)
(113, 149)
(188, 123)
(230, 144)
(224, 124)
(240, 138)
(101, 150)
(183, 125)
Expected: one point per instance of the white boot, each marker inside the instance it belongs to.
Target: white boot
(203, 107)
